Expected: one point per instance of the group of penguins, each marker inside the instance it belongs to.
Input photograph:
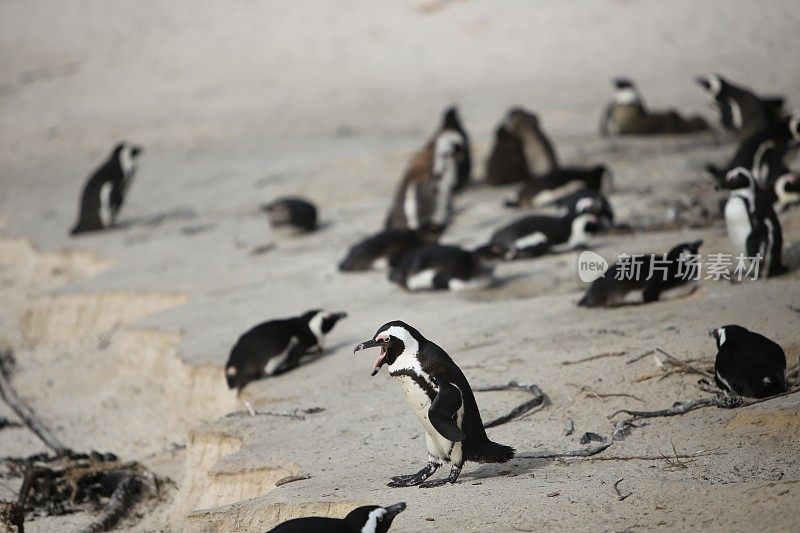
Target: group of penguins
(757, 179)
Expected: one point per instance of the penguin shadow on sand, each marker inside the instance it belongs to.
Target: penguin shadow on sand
(791, 257)
(515, 467)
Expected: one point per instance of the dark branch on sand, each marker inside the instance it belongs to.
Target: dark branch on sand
(679, 408)
(584, 452)
(25, 413)
(620, 496)
(594, 358)
(538, 399)
(118, 505)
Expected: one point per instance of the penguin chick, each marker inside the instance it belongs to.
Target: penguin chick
(506, 163)
(106, 189)
(627, 115)
(613, 287)
(365, 519)
(276, 346)
(441, 399)
(535, 235)
(296, 213)
(560, 183)
(440, 267)
(540, 155)
(753, 227)
(748, 363)
(390, 245)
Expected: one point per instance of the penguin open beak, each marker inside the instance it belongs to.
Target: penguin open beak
(394, 510)
(372, 343)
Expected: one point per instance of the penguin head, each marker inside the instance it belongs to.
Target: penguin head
(794, 126)
(393, 338)
(319, 323)
(724, 333)
(451, 120)
(625, 92)
(681, 251)
(711, 83)
(739, 178)
(622, 83)
(519, 118)
(126, 154)
(373, 518)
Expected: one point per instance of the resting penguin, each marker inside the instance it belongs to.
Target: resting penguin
(389, 245)
(559, 183)
(451, 121)
(506, 163)
(583, 198)
(365, 519)
(441, 399)
(535, 235)
(425, 195)
(762, 153)
(276, 346)
(748, 364)
(106, 189)
(539, 152)
(619, 281)
(753, 226)
(439, 267)
(295, 213)
(739, 108)
(627, 115)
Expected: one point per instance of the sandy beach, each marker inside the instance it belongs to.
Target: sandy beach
(120, 337)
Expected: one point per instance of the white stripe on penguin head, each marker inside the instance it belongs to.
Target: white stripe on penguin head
(372, 521)
(315, 325)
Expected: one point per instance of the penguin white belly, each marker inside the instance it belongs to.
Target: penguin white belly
(421, 280)
(737, 218)
(410, 207)
(551, 195)
(531, 239)
(106, 216)
(438, 446)
(275, 362)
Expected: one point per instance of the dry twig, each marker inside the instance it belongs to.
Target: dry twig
(686, 366)
(538, 399)
(594, 358)
(620, 496)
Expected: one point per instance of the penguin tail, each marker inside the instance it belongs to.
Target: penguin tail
(491, 452)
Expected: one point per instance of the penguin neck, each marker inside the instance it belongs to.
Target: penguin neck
(627, 96)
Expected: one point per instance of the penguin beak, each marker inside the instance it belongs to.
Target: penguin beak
(702, 82)
(372, 343)
(394, 510)
(713, 333)
(337, 316)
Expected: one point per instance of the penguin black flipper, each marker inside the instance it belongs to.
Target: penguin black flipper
(446, 404)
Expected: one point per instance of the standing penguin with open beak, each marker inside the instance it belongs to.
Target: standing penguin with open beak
(441, 399)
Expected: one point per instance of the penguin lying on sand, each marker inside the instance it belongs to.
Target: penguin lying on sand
(366, 519)
(441, 399)
(627, 115)
(582, 199)
(608, 291)
(560, 183)
(540, 155)
(440, 267)
(276, 346)
(753, 226)
(295, 213)
(106, 189)
(506, 163)
(390, 245)
(535, 235)
(748, 364)
(739, 108)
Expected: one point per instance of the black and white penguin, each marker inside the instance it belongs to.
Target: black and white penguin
(784, 191)
(441, 399)
(425, 195)
(739, 108)
(753, 226)
(452, 121)
(276, 346)
(506, 163)
(536, 145)
(440, 267)
(106, 189)
(620, 281)
(388, 245)
(762, 153)
(365, 519)
(748, 364)
(627, 115)
(560, 183)
(535, 235)
(585, 199)
(295, 213)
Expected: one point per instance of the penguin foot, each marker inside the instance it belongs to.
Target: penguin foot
(436, 483)
(412, 480)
